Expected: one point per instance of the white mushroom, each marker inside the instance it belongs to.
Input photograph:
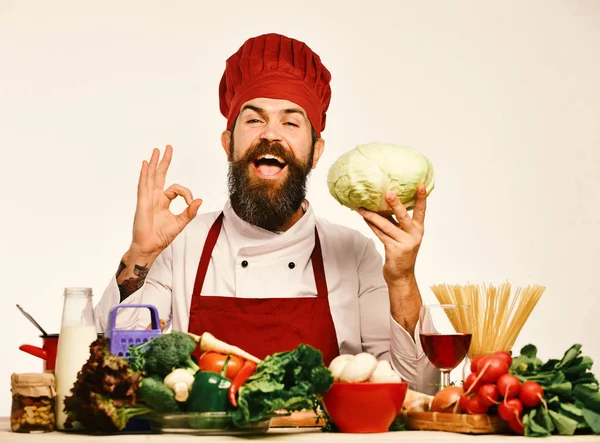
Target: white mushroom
(337, 365)
(384, 373)
(180, 381)
(359, 369)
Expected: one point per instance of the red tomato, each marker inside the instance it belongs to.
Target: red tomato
(212, 361)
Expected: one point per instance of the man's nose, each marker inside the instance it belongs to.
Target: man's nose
(271, 132)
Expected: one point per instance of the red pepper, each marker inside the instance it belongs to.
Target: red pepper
(241, 377)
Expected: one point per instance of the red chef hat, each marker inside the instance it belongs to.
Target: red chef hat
(275, 66)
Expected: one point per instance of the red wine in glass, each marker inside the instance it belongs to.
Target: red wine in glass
(445, 351)
(445, 336)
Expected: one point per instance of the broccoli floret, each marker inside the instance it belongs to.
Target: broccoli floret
(164, 353)
(158, 396)
(136, 357)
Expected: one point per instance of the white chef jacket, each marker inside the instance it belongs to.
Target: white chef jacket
(358, 294)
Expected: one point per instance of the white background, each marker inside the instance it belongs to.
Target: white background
(502, 96)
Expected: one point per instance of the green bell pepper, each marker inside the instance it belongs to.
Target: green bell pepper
(210, 392)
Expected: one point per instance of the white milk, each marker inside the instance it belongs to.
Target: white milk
(73, 351)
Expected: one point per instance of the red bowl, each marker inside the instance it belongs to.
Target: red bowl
(364, 407)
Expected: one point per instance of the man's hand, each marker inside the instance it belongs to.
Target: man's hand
(154, 225)
(401, 239)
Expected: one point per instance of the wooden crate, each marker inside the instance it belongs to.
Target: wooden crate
(298, 419)
(461, 423)
(423, 421)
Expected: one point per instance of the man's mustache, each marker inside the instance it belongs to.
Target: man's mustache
(265, 147)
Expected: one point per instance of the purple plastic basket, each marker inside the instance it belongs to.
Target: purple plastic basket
(121, 339)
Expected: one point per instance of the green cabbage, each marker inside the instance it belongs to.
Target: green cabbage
(362, 177)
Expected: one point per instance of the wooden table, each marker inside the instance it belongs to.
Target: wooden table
(279, 435)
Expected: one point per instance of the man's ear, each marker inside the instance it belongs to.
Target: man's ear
(226, 142)
(319, 148)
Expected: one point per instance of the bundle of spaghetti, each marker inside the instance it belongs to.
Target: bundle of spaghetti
(496, 316)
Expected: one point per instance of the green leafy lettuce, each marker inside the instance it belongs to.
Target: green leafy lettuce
(287, 381)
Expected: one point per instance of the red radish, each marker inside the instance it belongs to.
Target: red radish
(510, 409)
(531, 394)
(475, 361)
(463, 403)
(491, 368)
(470, 385)
(508, 386)
(475, 407)
(505, 356)
(516, 425)
(488, 395)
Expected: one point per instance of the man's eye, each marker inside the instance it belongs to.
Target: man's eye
(253, 120)
(291, 124)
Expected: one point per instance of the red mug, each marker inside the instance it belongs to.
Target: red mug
(47, 352)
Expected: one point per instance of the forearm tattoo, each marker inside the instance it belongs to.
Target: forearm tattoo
(129, 286)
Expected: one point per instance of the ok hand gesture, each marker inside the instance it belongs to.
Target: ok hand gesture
(155, 226)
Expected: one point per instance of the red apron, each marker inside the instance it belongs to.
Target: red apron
(262, 326)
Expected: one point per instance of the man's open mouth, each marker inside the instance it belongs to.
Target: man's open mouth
(269, 166)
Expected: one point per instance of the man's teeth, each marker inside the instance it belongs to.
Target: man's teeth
(271, 157)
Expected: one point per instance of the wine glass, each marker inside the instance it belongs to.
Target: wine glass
(445, 335)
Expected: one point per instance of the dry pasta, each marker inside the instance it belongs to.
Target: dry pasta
(496, 316)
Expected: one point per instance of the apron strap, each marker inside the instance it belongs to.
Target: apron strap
(318, 269)
(209, 245)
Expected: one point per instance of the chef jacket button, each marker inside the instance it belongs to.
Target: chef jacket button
(244, 264)
(291, 265)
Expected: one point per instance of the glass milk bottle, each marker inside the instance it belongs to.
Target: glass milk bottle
(77, 332)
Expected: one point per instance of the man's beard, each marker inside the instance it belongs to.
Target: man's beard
(267, 203)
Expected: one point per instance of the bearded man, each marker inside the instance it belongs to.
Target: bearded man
(265, 273)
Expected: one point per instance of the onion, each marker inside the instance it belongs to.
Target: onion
(446, 399)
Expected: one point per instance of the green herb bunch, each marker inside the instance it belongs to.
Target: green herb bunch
(572, 399)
